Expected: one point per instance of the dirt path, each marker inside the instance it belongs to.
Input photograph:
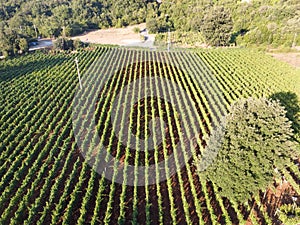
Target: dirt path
(119, 36)
(290, 58)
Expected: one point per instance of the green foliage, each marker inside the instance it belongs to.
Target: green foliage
(67, 44)
(273, 23)
(78, 44)
(136, 30)
(128, 11)
(289, 214)
(261, 22)
(256, 139)
(217, 26)
(152, 25)
(23, 45)
(43, 182)
(184, 15)
(290, 102)
(66, 18)
(159, 24)
(181, 38)
(12, 43)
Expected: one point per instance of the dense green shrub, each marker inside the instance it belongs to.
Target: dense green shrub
(217, 26)
(12, 43)
(255, 139)
(67, 44)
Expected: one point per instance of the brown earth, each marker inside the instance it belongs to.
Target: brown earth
(290, 58)
(113, 36)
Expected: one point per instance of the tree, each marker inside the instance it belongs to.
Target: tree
(257, 138)
(78, 44)
(9, 39)
(67, 44)
(152, 25)
(217, 26)
(61, 44)
(23, 45)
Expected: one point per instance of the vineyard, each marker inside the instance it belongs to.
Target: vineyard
(51, 168)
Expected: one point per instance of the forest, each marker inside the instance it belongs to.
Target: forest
(218, 23)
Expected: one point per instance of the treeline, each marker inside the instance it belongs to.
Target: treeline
(22, 20)
(216, 22)
(65, 17)
(12, 43)
(252, 22)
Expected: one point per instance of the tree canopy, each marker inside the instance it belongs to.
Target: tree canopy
(11, 42)
(217, 26)
(259, 22)
(256, 139)
(56, 18)
(255, 22)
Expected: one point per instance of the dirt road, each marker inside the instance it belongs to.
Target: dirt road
(120, 36)
(290, 58)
